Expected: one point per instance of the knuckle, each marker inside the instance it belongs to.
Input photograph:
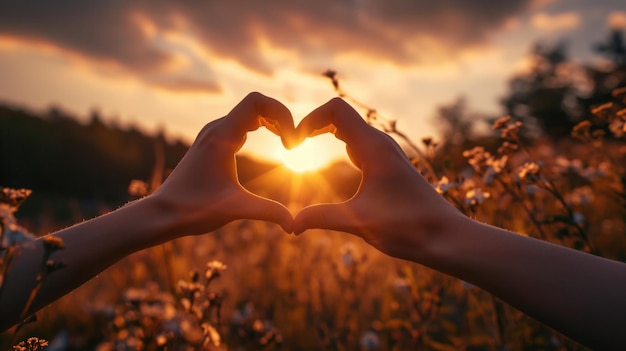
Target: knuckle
(336, 102)
(252, 99)
(253, 95)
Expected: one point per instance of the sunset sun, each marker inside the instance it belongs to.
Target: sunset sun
(309, 156)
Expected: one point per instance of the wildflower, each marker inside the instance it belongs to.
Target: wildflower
(332, 75)
(443, 185)
(498, 164)
(501, 122)
(369, 340)
(601, 170)
(52, 266)
(564, 165)
(619, 92)
(52, 242)
(11, 233)
(473, 151)
(371, 116)
(213, 337)
(511, 131)
(507, 148)
(476, 196)
(580, 196)
(161, 340)
(618, 127)
(214, 269)
(495, 166)
(138, 188)
(581, 131)
(31, 344)
(189, 288)
(14, 197)
(600, 109)
(477, 157)
(528, 169)
(598, 134)
(258, 326)
(578, 218)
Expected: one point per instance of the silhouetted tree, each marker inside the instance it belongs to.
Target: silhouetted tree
(614, 48)
(545, 97)
(455, 122)
(603, 79)
(556, 93)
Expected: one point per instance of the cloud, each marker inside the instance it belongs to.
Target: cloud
(537, 4)
(617, 20)
(133, 35)
(544, 21)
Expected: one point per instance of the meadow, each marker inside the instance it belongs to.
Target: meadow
(250, 286)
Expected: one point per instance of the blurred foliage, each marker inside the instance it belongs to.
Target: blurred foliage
(90, 160)
(556, 92)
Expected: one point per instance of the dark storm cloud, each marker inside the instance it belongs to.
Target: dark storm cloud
(387, 29)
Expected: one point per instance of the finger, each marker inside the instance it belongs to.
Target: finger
(337, 117)
(257, 110)
(346, 124)
(256, 207)
(328, 129)
(338, 217)
(353, 159)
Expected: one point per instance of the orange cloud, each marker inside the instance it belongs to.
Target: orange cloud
(544, 21)
(131, 33)
(617, 20)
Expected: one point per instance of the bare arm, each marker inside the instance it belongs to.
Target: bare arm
(398, 212)
(201, 195)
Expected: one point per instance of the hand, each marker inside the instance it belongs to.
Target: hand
(204, 190)
(395, 209)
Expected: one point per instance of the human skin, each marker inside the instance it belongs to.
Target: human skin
(200, 195)
(395, 209)
(398, 212)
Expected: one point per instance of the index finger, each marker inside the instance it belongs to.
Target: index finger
(257, 110)
(338, 117)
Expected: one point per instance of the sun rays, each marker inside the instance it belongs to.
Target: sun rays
(294, 189)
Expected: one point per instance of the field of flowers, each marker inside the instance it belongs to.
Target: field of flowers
(249, 286)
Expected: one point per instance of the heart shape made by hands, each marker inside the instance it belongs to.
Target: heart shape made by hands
(205, 193)
(204, 187)
(316, 182)
(335, 117)
(224, 137)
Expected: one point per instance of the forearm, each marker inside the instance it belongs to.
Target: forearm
(88, 248)
(578, 294)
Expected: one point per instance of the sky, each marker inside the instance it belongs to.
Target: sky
(176, 65)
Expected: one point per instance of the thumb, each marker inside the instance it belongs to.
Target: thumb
(256, 207)
(338, 217)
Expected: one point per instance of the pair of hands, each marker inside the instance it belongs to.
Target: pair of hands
(392, 203)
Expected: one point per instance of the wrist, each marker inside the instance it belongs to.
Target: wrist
(162, 218)
(441, 237)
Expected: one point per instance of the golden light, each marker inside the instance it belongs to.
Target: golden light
(313, 154)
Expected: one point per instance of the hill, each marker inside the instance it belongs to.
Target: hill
(90, 165)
